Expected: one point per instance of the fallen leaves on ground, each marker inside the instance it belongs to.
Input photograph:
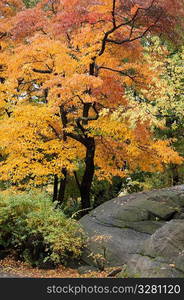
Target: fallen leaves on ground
(22, 269)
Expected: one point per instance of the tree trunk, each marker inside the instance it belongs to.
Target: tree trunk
(55, 191)
(175, 175)
(61, 193)
(86, 183)
(85, 186)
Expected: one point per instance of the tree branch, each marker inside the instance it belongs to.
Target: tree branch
(3, 34)
(95, 110)
(77, 138)
(118, 71)
(64, 120)
(113, 13)
(42, 71)
(135, 38)
(115, 27)
(79, 125)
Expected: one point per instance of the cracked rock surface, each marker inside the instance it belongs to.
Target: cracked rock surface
(143, 230)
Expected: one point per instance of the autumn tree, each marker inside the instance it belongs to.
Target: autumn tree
(169, 90)
(66, 67)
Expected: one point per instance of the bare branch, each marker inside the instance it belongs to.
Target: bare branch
(113, 13)
(42, 71)
(77, 137)
(116, 27)
(3, 34)
(118, 71)
(133, 39)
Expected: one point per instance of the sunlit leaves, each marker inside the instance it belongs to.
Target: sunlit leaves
(59, 57)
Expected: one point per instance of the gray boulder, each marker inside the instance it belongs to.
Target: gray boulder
(110, 245)
(162, 255)
(168, 241)
(140, 228)
(148, 267)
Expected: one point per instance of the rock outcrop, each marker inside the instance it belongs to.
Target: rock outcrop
(144, 231)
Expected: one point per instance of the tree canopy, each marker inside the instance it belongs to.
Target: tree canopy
(68, 71)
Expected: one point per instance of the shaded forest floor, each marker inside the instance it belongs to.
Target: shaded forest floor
(9, 267)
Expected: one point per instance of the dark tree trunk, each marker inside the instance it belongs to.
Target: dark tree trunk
(86, 112)
(85, 186)
(92, 69)
(61, 193)
(89, 143)
(62, 188)
(86, 183)
(175, 175)
(55, 191)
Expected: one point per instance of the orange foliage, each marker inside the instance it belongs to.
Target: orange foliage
(65, 69)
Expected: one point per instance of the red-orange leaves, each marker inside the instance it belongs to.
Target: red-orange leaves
(28, 22)
(71, 75)
(75, 89)
(134, 9)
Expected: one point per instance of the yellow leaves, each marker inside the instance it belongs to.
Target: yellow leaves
(108, 60)
(72, 90)
(36, 61)
(53, 53)
(87, 36)
(104, 6)
(53, 71)
(165, 90)
(118, 142)
(32, 147)
(10, 8)
(108, 127)
(75, 89)
(83, 82)
(166, 153)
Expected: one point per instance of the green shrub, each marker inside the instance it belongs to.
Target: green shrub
(36, 231)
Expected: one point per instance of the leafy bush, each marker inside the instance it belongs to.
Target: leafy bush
(36, 231)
